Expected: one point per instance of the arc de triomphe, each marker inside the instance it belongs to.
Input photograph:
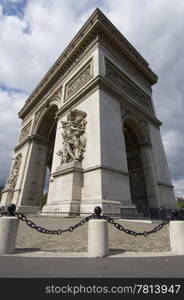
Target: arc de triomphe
(91, 122)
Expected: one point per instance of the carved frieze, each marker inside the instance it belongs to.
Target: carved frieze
(129, 67)
(74, 139)
(25, 131)
(120, 80)
(12, 180)
(78, 80)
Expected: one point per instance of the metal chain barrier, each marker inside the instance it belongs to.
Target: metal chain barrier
(131, 232)
(118, 226)
(11, 211)
(47, 231)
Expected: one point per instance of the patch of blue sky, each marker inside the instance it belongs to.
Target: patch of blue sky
(10, 90)
(13, 8)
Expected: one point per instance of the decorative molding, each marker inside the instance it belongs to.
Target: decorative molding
(74, 139)
(103, 167)
(25, 131)
(128, 66)
(113, 74)
(74, 166)
(78, 80)
(57, 95)
(95, 27)
(63, 71)
(165, 185)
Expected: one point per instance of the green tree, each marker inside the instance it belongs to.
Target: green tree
(180, 202)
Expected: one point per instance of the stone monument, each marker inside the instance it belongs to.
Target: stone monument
(91, 122)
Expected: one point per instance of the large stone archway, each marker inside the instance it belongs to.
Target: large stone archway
(99, 76)
(47, 129)
(140, 164)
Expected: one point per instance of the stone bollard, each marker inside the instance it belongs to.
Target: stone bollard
(98, 238)
(8, 234)
(176, 233)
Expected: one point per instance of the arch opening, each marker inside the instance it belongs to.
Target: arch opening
(135, 167)
(47, 130)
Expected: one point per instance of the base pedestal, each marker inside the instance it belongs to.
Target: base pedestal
(65, 189)
(29, 209)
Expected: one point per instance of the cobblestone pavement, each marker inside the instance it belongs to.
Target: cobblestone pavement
(29, 239)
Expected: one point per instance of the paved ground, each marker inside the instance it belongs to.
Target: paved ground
(76, 241)
(170, 266)
(42, 255)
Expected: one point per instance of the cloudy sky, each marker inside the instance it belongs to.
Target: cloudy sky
(33, 33)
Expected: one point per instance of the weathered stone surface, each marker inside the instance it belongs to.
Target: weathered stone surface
(98, 240)
(8, 234)
(176, 234)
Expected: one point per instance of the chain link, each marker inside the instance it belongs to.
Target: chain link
(97, 215)
(59, 231)
(134, 233)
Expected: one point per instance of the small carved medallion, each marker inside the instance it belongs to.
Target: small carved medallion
(74, 139)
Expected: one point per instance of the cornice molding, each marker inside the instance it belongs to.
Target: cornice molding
(85, 39)
(32, 138)
(100, 82)
(106, 168)
(166, 185)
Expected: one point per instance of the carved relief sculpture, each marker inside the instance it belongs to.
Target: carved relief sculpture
(121, 81)
(25, 131)
(12, 180)
(78, 80)
(74, 140)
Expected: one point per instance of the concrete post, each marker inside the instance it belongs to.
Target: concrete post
(98, 238)
(176, 232)
(8, 234)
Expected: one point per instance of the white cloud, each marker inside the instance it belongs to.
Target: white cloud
(179, 187)
(30, 45)
(10, 104)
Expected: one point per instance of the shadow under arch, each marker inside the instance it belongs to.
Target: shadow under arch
(135, 138)
(138, 128)
(46, 121)
(45, 130)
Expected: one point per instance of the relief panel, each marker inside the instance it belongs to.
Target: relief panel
(78, 80)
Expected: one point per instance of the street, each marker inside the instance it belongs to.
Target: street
(48, 267)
